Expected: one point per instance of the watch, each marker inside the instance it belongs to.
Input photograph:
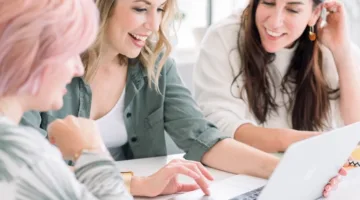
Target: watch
(127, 176)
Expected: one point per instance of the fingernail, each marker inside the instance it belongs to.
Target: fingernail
(208, 192)
(327, 188)
(325, 194)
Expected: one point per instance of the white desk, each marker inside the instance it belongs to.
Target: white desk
(348, 188)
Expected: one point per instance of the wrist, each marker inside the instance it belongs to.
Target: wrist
(285, 138)
(296, 136)
(138, 186)
(341, 53)
(291, 136)
(96, 150)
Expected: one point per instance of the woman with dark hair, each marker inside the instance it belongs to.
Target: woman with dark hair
(277, 73)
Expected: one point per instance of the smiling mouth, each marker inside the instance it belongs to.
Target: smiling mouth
(138, 37)
(274, 34)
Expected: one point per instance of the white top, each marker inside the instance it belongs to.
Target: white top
(219, 63)
(112, 125)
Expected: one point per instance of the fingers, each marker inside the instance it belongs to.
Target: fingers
(326, 193)
(201, 167)
(332, 185)
(342, 172)
(184, 170)
(191, 169)
(333, 6)
(56, 127)
(203, 170)
(320, 24)
(188, 187)
(52, 140)
(70, 119)
(193, 173)
(61, 124)
(334, 181)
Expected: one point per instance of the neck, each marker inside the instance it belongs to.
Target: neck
(11, 108)
(108, 56)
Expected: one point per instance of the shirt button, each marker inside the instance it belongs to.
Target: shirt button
(128, 115)
(134, 139)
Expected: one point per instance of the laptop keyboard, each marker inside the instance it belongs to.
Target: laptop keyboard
(252, 195)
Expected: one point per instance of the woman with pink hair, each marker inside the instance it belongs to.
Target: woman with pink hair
(40, 43)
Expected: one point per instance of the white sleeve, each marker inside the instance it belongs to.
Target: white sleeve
(332, 79)
(217, 96)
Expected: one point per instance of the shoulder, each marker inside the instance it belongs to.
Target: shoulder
(168, 65)
(21, 147)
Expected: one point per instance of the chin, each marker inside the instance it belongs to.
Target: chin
(270, 49)
(132, 56)
(57, 105)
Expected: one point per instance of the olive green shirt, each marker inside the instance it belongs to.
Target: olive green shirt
(147, 114)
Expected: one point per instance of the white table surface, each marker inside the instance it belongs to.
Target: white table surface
(349, 188)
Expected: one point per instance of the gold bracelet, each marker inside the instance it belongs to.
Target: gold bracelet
(127, 176)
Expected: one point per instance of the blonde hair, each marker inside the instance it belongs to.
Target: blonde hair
(39, 34)
(149, 54)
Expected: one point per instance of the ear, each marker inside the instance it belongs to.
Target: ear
(315, 15)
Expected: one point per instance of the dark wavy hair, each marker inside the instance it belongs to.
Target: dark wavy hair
(309, 99)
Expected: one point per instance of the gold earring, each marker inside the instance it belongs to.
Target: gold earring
(312, 34)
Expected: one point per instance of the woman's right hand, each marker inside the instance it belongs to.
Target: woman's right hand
(164, 182)
(72, 134)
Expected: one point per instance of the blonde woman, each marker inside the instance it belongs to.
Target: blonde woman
(133, 91)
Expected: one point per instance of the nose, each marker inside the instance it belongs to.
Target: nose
(276, 19)
(153, 21)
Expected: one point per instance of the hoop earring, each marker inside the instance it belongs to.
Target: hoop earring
(312, 34)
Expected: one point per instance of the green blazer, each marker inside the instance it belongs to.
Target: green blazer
(147, 113)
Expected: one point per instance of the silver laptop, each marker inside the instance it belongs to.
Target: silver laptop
(304, 170)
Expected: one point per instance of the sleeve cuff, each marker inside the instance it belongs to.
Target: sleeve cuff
(87, 158)
(203, 144)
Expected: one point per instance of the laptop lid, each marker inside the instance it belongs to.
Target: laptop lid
(308, 165)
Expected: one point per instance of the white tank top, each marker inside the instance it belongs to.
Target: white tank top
(112, 127)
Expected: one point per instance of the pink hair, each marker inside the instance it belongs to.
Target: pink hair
(35, 34)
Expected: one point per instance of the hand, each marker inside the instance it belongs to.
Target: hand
(72, 134)
(165, 181)
(333, 183)
(334, 34)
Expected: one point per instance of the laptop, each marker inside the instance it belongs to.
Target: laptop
(305, 168)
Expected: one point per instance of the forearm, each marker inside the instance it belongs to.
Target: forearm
(235, 157)
(99, 174)
(349, 81)
(270, 140)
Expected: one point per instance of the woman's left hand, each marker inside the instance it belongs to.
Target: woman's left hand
(334, 34)
(333, 183)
